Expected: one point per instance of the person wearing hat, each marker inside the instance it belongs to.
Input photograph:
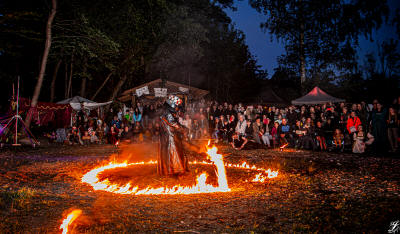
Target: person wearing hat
(171, 158)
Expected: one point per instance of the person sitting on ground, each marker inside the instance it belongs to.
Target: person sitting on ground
(285, 137)
(137, 133)
(338, 139)
(353, 122)
(75, 137)
(92, 134)
(51, 136)
(266, 137)
(299, 132)
(196, 130)
(238, 142)
(86, 138)
(112, 137)
(116, 122)
(274, 134)
(156, 132)
(61, 135)
(361, 140)
(329, 129)
(258, 131)
(308, 138)
(216, 130)
(320, 136)
(241, 125)
(248, 132)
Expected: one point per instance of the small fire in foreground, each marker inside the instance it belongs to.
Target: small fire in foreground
(92, 178)
(70, 218)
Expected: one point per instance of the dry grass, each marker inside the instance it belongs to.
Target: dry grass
(315, 192)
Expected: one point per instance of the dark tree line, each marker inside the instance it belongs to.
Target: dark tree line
(100, 47)
(321, 39)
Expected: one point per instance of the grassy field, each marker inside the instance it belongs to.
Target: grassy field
(314, 192)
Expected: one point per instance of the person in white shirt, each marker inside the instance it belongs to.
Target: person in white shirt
(241, 125)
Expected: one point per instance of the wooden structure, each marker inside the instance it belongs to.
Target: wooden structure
(192, 93)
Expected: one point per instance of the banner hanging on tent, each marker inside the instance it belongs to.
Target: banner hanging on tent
(141, 91)
(183, 89)
(160, 92)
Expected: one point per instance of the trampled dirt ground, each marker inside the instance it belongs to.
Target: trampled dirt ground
(314, 192)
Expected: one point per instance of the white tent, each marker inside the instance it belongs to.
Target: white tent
(76, 101)
(316, 96)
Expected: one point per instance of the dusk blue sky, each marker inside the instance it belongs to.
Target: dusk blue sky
(266, 51)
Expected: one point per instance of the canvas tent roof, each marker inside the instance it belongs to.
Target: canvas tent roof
(75, 103)
(268, 96)
(316, 96)
(76, 99)
(172, 87)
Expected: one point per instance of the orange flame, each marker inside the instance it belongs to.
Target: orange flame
(201, 186)
(284, 146)
(217, 159)
(70, 218)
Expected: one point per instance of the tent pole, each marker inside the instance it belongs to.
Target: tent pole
(17, 115)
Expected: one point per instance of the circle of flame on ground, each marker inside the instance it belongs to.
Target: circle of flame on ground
(216, 159)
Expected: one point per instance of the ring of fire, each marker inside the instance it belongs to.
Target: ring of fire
(200, 186)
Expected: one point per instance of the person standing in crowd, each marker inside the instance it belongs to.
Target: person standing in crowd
(379, 127)
(393, 123)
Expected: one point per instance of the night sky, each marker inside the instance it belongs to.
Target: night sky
(266, 51)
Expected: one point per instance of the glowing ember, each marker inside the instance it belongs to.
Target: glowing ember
(283, 146)
(70, 218)
(92, 178)
(260, 177)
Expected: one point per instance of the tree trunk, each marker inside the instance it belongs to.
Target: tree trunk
(66, 81)
(118, 87)
(116, 90)
(302, 59)
(46, 51)
(53, 81)
(83, 86)
(102, 85)
(69, 89)
(84, 79)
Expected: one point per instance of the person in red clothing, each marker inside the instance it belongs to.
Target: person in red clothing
(353, 122)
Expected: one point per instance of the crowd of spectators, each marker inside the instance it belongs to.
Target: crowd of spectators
(335, 127)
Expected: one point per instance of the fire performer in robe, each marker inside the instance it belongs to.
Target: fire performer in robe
(171, 158)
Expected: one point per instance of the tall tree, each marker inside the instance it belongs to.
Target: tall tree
(320, 35)
(47, 46)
